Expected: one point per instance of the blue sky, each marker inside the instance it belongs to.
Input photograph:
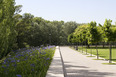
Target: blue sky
(81, 11)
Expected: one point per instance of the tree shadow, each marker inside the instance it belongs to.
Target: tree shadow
(74, 70)
(112, 59)
(87, 73)
(75, 66)
(83, 71)
(101, 56)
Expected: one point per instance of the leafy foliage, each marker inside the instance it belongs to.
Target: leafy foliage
(80, 34)
(35, 31)
(93, 33)
(7, 27)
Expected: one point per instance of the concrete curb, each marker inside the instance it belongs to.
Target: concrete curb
(56, 68)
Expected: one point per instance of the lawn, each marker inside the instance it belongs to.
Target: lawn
(32, 62)
(103, 52)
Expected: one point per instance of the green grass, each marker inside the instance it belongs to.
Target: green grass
(109, 63)
(103, 52)
(98, 59)
(90, 56)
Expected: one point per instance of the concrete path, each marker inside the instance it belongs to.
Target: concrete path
(78, 65)
(56, 68)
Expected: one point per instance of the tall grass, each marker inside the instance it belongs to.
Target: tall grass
(33, 62)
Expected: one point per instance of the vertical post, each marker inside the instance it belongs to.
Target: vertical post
(110, 55)
(59, 48)
(91, 50)
(76, 46)
(86, 47)
(97, 52)
(79, 48)
(82, 47)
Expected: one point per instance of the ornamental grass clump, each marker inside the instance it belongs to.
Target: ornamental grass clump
(33, 62)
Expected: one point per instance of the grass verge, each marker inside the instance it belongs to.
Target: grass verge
(109, 63)
(103, 52)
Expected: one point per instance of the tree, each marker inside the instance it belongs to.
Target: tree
(56, 29)
(70, 38)
(7, 29)
(108, 35)
(80, 34)
(93, 35)
(23, 28)
(68, 28)
(17, 9)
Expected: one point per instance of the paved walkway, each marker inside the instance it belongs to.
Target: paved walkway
(56, 68)
(78, 65)
(70, 63)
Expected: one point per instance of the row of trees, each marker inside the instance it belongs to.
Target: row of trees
(19, 31)
(35, 31)
(93, 34)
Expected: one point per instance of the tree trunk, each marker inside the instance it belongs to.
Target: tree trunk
(88, 46)
(77, 46)
(97, 52)
(115, 44)
(110, 55)
(103, 44)
(91, 52)
(82, 47)
(74, 46)
(86, 49)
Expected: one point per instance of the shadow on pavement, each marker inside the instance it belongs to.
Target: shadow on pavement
(83, 71)
(56, 69)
